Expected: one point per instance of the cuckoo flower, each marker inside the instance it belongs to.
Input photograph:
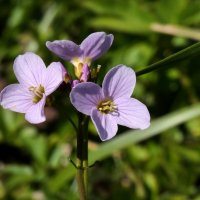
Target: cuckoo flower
(92, 47)
(36, 82)
(111, 104)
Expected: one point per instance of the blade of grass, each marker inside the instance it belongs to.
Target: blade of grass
(176, 30)
(157, 126)
(186, 53)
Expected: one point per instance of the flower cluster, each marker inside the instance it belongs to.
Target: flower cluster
(107, 106)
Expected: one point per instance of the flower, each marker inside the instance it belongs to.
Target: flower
(36, 82)
(92, 47)
(111, 104)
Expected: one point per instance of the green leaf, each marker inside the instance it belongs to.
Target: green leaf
(18, 170)
(136, 19)
(186, 53)
(113, 23)
(170, 11)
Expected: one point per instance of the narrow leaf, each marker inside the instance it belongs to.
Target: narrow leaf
(186, 53)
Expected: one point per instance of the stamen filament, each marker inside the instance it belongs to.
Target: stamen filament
(38, 93)
(106, 106)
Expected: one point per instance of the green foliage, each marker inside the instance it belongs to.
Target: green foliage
(34, 160)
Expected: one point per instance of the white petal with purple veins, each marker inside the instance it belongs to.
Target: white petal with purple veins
(132, 113)
(85, 97)
(105, 124)
(119, 82)
(29, 69)
(65, 49)
(54, 77)
(35, 114)
(16, 98)
(96, 44)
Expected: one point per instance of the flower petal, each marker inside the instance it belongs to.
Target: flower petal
(54, 77)
(105, 124)
(96, 44)
(35, 113)
(132, 113)
(65, 49)
(85, 73)
(14, 97)
(119, 82)
(29, 69)
(85, 97)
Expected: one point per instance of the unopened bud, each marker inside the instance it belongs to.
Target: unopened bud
(85, 73)
(66, 76)
(75, 82)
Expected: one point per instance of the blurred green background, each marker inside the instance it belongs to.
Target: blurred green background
(34, 161)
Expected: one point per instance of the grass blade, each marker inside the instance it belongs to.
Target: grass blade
(186, 53)
(157, 126)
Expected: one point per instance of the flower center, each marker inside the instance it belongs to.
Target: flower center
(106, 106)
(38, 93)
(78, 63)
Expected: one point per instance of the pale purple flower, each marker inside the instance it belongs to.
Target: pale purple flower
(36, 82)
(112, 104)
(92, 47)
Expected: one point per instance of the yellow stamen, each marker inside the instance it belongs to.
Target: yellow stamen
(38, 93)
(95, 71)
(106, 106)
(78, 64)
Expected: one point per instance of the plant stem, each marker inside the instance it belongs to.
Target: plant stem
(82, 156)
(186, 53)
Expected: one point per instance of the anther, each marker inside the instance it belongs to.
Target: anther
(38, 93)
(107, 106)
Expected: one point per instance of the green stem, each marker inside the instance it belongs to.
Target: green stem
(181, 55)
(82, 156)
